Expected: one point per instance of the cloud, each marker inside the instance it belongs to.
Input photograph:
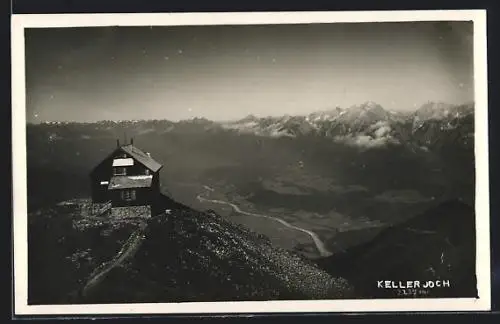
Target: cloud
(366, 141)
(380, 128)
(380, 135)
(382, 131)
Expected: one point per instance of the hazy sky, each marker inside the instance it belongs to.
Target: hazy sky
(227, 72)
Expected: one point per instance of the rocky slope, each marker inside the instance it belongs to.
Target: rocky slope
(65, 244)
(185, 255)
(195, 256)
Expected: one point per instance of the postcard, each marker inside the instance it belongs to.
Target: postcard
(265, 162)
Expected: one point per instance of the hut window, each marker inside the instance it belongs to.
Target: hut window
(129, 195)
(146, 172)
(119, 171)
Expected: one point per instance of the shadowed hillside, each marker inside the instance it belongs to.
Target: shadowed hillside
(185, 255)
(436, 245)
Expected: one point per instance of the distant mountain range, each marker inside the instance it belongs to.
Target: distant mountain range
(368, 125)
(358, 143)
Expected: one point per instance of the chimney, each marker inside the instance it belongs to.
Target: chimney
(131, 141)
(117, 143)
(148, 154)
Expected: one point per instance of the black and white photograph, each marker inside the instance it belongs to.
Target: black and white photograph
(190, 163)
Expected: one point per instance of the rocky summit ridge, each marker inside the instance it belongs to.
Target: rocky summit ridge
(177, 255)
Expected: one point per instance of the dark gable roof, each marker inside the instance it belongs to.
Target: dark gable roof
(137, 154)
(142, 157)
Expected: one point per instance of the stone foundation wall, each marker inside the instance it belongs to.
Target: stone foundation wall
(131, 212)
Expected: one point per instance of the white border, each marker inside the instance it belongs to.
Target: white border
(19, 22)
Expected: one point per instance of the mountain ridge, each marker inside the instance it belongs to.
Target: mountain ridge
(252, 117)
(366, 126)
(184, 255)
